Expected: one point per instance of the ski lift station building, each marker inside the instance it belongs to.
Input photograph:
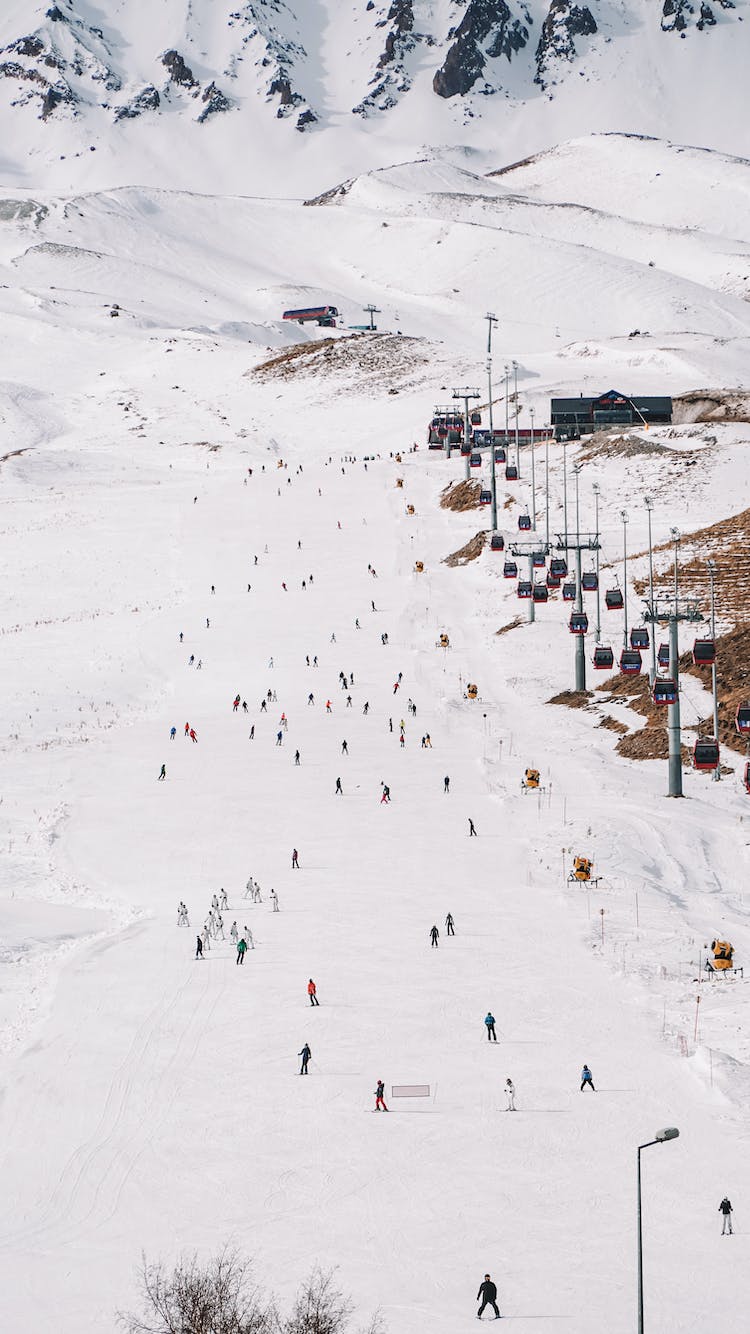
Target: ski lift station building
(574, 417)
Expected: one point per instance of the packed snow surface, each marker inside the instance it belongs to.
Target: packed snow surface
(152, 1101)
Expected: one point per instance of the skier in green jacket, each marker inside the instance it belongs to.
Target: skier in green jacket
(241, 947)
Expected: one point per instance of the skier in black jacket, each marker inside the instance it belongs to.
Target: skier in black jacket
(725, 1208)
(488, 1294)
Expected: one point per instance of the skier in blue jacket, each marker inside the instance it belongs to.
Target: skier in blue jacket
(587, 1079)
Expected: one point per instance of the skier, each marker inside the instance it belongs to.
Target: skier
(252, 733)
(386, 797)
(587, 1079)
(472, 830)
(223, 900)
(193, 736)
(206, 937)
(312, 993)
(296, 757)
(446, 784)
(366, 708)
(247, 933)
(490, 1023)
(306, 1055)
(279, 738)
(427, 739)
(434, 933)
(449, 924)
(510, 1094)
(249, 887)
(162, 774)
(339, 790)
(241, 947)
(172, 733)
(488, 1294)
(233, 932)
(275, 900)
(198, 947)
(344, 748)
(395, 686)
(310, 698)
(295, 859)
(380, 1098)
(725, 1208)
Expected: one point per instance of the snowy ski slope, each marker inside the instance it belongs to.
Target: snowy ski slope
(151, 1101)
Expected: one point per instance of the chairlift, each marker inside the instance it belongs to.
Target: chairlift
(531, 779)
(579, 623)
(497, 542)
(746, 779)
(705, 754)
(662, 658)
(559, 567)
(538, 560)
(510, 569)
(742, 719)
(630, 661)
(524, 523)
(704, 652)
(569, 592)
(540, 593)
(465, 448)
(604, 658)
(454, 437)
(524, 589)
(665, 690)
(471, 691)
(589, 581)
(500, 455)
(475, 461)
(485, 497)
(613, 599)
(410, 509)
(511, 472)
(639, 637)
(476, 418)
(419, 567)
(553, 581)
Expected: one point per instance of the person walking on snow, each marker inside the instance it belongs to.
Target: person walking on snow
(587, 1079)
(490, 1023)
(472, 830)
(380, 1097)
(241, 948)
(233, 932)
(279, 738)
(339, 789)
(162, 774)
(275, 900)
(395, 686)
(386, 797)
(725, 1208)
(306, 1055)
(344, 748)
(449, 924)
(488, 1296)
(510, 1094)
(172, 733)
(198, 947)
(446, 784)
(223, 900)
(296, 757)
(295, 859)
(434, 933)
(312, 992)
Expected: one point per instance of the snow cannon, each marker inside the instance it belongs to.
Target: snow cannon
(531, 778)
(398, 458)
(410, 509)
(723, 955)
(582, 868)
(472, 691)
(443, 641)
(399, 482)
(419, 567)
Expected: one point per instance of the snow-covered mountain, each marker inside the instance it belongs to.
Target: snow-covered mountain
(223, 90)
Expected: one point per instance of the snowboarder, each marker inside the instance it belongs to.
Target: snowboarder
(587, 1079)
(446, 784)
(306, 1055)
(490, 1023)
(162, 774)
(295, 859)
(339, 790)
(488, 1296)
(434, 933)
(312, 992)
(725, 1208)
(380, 1098)
(510, 1095)
(472, 830)
(198, 947)
(241, 948)
(449, 925)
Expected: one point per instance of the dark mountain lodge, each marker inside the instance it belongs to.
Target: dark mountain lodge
(574, 417)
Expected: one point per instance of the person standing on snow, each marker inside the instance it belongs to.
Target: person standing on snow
(380, 1097)
(296, 757)
(488, 1296)
(344, 748)
(449, 925)
(587, 1079)
(472, 830)
(490, 1024)
(275, 900)
(233, 932)
(434, 933)
(510, 1094)
(241, 947)
(306, 1055)
(295, 859)
(312, 992)
(725, 1208)
(172, 733)
(339, 789)
(223, 900)
(446, 784)
(198, 947)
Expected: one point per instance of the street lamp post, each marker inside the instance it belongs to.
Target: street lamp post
(714, 683)
(546, 490)
(515, 400)
(661, 1137)
(491, 319)
(648, 502)
(624, 518)
(673, 710)
(507, 428)
(533, 473)
(565, 491)
(597, 492)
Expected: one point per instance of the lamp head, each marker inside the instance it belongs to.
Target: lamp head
(671, 1132)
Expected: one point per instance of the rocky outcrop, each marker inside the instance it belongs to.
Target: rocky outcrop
(179, 72)
(487, 30)
(679, 15)
(147, 100)
(392, 77)
(64, 63)
(213, 101)
(557, 47)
